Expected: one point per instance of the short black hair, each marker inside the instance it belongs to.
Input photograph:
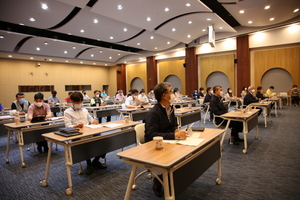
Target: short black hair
(259, 88)
(175, 89)
(215, 88)
(244, 88)
(272, 87)
(228, 89)
(53, 92)
(76, 97)
(142, 90)
(207, 89)
(295, 86)
(133, 91)
(19, 94)
(39, 96)
(161, 89)
(96, 91)
(70, 93)
(201, 88)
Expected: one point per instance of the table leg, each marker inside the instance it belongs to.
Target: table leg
(224, 134)
(276, 109)
(68, 190)
(168, 196)
(21, 156)
(265, 117)
(245, 137)
(44, 183)
(130, 182)
(7, 146)
(219, 179)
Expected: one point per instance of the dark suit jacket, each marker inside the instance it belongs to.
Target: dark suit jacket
(249, 98)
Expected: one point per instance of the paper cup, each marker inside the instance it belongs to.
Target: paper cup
(158, 142)
(17, 120)
(189, 106)
(126, 118)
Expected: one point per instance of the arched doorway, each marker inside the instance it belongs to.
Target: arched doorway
(174, 80)
(217, 78)
(137, 83)
(279, 78)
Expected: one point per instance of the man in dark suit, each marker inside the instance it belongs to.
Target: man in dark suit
(251, 98)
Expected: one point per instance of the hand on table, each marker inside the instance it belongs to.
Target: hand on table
(180, 134)
(80, 125)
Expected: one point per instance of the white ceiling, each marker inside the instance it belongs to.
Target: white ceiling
(123, 35)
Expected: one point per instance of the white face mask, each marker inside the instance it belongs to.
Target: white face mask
(253, 90)
(230, 91)
(38, 104)
(97, 95)
(221, 93)
(212, 92)
(172, 98)
(77, 106)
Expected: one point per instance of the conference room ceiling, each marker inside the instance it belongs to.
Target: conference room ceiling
(109, 32)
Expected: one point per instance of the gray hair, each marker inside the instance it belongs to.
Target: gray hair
(161, 89)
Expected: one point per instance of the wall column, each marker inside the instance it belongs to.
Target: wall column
(121, 77)
(243, 63)
(191, 70)
(151, 72)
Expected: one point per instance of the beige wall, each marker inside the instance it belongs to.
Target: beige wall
(174, 67)
(134, 71)
(17, 72)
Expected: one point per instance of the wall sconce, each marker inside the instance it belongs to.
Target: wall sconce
(38, 64)
(47, 74)
(31, 73)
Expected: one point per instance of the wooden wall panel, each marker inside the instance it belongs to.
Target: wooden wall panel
(151, 72)
(121, 77)
(191, 69)
(218, 63)
(174, 67)
(285, 58)
(134, 71)
(17, 72)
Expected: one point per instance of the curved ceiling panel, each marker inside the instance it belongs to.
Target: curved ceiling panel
(262, 16)
(16, 11)
(134, 12)
(196, 29)
(10, 40)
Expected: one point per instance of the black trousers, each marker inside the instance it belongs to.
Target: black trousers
(235, 126)
(295, 100)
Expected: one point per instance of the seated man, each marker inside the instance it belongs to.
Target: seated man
(151, 94)
(53, 99)
(217, 108)
(68, 100)
(76, 117)
(97, 100)
(39, 108)
(161, 121)
(259, 93)
(251, 98)
(269, 92)
(120, 96)
(133, 101)
(20, 104)
(143, 97)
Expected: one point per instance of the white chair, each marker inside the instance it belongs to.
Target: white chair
(140, 138)
(221, 126)
(283, 96)
(204, 108)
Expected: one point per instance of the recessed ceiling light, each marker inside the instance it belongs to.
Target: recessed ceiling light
(31, 19)
(188, 4)
(44, 6)
(110, 57)
(38, 48)
(271, 19)
(92, 55)
(151, 37)
(267, 7)
(95, 21)
(119, 54)
(138, 43)
(65, 52)
(296, 10)
(46, 43)
(120, 7)
(249, 22)
(204, 29)
(21, 24)
(125, 29)
(82, 31)
(155, 48)
(81, 62)
(188, 36)
(10, 56)
(208, 19)
(69, 33)
(1, 36)
(166, 9)
(105, 64)
(190, 22)
(111, 37)
(67, 61)
(148, 19)
(98, 39)
(100, 51)
(220, 27)
(74, 47)
(50, 59)
(31, 58)
(242, 11)
(173, 29)
(168, 42)
(94, 63)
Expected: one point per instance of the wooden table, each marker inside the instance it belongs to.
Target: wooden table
(237, 100)
(30, 133)
(180, 163)
(266, 106)
(187, 115)
(249, 120)
(185, 103)
(276, 100)
(93, 142)
(103, 111)
(135, 114)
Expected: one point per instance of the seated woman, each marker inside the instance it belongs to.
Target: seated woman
(77, 117)
(143, 97)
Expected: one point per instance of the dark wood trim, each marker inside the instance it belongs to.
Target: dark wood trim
(191, 70)
(121, 77)
(151, 72)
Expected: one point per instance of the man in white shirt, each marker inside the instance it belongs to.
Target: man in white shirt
(76, 116)
(133, 100)
(53, 100)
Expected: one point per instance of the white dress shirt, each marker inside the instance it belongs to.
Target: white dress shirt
(73, 117)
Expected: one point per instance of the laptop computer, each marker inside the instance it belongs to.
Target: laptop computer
(38, 119)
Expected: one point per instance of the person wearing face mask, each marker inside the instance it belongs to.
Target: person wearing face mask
(195, 94)
(20, 104)
(143, 97)
(209, 94)
(77, 117)
(133, 101)
(151, 94)
(269, 92)
(295, 94)
(97, 100)
(259, 93)
(53, 99)
(85, 96)
(201, 93)
(218, 108)
(161, 121)
(120, 96)
(244, 92)
(68, 100)
(251, 98)
(39, 108)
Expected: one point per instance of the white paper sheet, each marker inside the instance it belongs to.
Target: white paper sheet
(93, 126)
(188, 141)
(112, 125)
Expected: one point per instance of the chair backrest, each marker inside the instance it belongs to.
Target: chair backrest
(218, 125)
(201, 101)
(283, 94)
(140, 133)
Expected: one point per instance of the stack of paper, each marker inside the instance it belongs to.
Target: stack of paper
(188, 141)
